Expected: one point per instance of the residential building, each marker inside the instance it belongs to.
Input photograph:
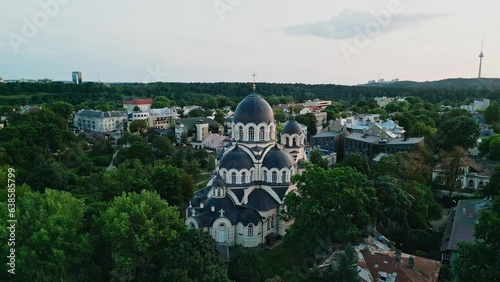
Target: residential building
(29, 109)
(331, 141)
(241, 204)
(372, 145)
(77, 77)
(101, 121)
(477, 105)
(157, 118)
(383, 101)
(460, 226)
(378, 261)
(196, 130)
(473, 175)
(214, 142)
(143, 104)
(92, 137)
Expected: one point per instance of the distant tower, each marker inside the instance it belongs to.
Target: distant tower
(254, 87)
(481, 58)
(77, 77)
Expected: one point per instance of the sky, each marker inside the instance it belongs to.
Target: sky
(284, 41)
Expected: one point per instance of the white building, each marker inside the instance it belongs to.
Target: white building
(157, 118)
(100, 121)
(477, 105)
(243, 199)
(473, 175)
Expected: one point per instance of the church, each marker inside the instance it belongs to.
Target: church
(241, 204)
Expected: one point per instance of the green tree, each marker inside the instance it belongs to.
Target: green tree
(460, 131)
(161, 102)
(47, 174)
(63, 109)
(279, 115)
(139, 126)
(451, 163)
(248, 265)
(220, 116)
(393, 199)
(137, 229)
(51, 241)
(172, 184)
(193, 257)
(338, 198)
(359, 162)
(492, 114)
(480, 261)
(162, 146)
(492, 189)
(317, 159)
(198, 112)
(347, 268)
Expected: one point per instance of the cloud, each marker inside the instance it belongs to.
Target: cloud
(348, 23)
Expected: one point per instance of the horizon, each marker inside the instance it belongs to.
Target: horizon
(339, 43)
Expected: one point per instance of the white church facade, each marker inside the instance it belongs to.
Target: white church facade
(243, 199)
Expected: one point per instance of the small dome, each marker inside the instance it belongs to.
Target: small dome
(292, 127)
(253, 109)
(276, 158)
(237, 159)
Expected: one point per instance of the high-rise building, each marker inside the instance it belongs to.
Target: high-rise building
(77, 77)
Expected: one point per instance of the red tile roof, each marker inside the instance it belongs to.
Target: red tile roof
(139, 102)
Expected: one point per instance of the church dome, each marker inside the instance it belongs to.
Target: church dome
(292, 127)
(237, 159)
(276, 158)
(253, 109)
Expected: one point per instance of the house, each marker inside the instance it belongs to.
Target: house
(142, 104)
(241, 204)
(473, 176)
(378, 261)
(318, 103)
(92, 136)
(460, 226)
(29, 109)
(101, 121)
(331, 141)
(214, 142)
(477, 105)
(196, 130)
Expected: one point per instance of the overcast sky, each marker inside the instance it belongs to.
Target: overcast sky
(315, 41)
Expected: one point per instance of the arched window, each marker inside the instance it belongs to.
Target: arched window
(271, 132)
(251, 134)
(272, 221)
(191, 226)
(268, 223)
(233, 177)
(283, 177)
(261, 133)
(274, 177)
(224, 176)
(243, 177)
(240, 130)
(250, 229)
(265, 175)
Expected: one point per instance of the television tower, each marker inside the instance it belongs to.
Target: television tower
(481, 58)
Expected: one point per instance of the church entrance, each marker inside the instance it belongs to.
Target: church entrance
(221, 233)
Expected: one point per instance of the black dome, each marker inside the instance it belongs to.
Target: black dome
(276, 158)
(236, 159)
(247, 216)
(253, 109)
(292, 127)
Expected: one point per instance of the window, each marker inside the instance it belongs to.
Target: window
(283, 177)
(250, 229)
(268, 223)
(224, 176)
(240, 129)
(191, 225)
(233, 177)
(265, 175)
(272, 221)
(274, 177)
(261, 133)
(243, 177)
(251, 134)
(271, 132)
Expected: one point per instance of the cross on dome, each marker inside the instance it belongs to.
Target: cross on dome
(221, 211)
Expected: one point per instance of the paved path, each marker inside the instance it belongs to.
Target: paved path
(111, 164)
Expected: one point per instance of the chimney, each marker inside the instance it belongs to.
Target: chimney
(411, 262)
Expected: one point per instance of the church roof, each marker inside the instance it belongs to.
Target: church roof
(237, 159)
(277, 158)
(260, 200)
(247, 216)
(253, 109)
